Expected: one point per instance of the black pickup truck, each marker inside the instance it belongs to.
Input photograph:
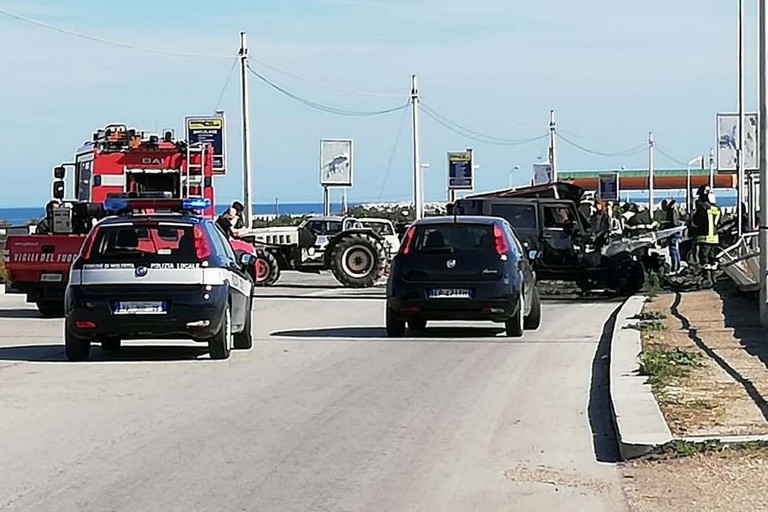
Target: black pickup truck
(556, 233)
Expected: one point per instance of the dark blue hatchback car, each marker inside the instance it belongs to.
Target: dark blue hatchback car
(462, 268)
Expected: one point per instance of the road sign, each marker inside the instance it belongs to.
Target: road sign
(542, 173)
(728, 140)
(209, 129)
(461, 170)
(609, 186)
(336, 162)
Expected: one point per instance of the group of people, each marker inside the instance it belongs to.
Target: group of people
(609, 221)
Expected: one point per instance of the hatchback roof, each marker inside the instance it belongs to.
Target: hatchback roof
(459, 219)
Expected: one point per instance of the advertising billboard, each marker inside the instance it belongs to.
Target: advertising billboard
(209, 129)
(336, 162)
(728, 142)
(460, 170)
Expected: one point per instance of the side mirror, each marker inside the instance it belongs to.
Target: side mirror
(58, 189)
(247, 260)
(532, 255)
(59, 172)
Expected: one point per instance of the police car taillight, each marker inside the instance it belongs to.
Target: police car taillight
(202, 246)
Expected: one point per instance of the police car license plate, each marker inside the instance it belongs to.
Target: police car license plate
(449, 293)
(141, 308)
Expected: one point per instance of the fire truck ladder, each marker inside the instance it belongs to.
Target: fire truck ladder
(194, 170)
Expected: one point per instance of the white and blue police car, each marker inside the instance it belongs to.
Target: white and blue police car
(156, 269)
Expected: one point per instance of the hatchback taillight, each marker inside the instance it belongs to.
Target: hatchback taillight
(408, 240)
(202, 247)
(500, 241)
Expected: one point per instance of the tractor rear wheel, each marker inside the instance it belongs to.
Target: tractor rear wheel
(356, 260)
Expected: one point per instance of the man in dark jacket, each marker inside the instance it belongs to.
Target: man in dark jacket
(600, 224)
(239, 209)
(45, 226)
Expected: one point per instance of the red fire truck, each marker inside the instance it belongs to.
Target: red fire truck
(118, 160)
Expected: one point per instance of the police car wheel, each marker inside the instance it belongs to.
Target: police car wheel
(111, 343)
(75, 348)
(244, 339)
(220, 345)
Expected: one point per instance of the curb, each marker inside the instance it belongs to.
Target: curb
(640, 425)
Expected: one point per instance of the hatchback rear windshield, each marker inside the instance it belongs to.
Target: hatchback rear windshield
(454, 237)
(151, 243)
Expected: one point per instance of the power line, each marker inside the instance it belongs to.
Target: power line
(109, 41)
(392, 155)
(324, 108)
(323, 84)
(457, 126)
(226, 84)
(627, 152)
(669, 157)
(469, 135)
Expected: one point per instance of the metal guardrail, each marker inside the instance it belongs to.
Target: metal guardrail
(741, 262)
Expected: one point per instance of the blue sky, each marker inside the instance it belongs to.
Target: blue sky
(612, 71)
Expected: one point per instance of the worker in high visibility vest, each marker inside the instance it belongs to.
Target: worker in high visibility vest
(704, 224)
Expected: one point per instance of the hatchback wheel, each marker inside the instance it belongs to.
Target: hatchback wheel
(515, 324)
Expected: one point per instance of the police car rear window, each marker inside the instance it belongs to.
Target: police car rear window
(158, 243)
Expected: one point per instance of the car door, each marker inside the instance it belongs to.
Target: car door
(561, 231)
(240, 284)
(523, 263)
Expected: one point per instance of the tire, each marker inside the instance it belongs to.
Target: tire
(244, 339)
(533, 320)
(395, 325)
(417, 324)
(515, 325)
(50, 308)
(274, 269)
(356, 261)
(266, 270)
(111, 344)
(75, 348)
(220, 345)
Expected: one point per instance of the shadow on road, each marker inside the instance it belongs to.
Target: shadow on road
(142, 353)
(600, 412)
(20, 313)
(335, 296)
(362, 333)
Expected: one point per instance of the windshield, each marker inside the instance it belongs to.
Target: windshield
(380, 228)
(144, 244)
(520, 216)
(453, 237)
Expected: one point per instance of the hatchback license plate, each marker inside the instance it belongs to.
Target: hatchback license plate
(449, 293)
(141, 308)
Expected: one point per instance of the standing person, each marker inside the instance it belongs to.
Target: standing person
(239, 217)
(672, 220)
(45, 226)
(599, 224)
(704, 223)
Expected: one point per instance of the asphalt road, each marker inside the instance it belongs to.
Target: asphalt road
(324, 414)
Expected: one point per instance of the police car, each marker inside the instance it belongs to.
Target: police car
(170, 274)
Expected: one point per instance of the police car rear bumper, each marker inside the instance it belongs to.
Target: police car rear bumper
(193, 312)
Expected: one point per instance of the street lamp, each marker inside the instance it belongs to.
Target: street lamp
(699, 159)
(517, 168)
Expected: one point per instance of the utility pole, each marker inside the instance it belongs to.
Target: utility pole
(553, 144)
(763, 99)
(247, 177)
(711, 168)
(650, 173)
(740, 154)
(418, 207)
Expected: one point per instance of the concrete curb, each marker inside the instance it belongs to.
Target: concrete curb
(640, 425)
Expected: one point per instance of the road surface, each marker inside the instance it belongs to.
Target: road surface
(324, 414)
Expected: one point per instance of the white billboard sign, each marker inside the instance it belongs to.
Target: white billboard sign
(728, 142)
(336, 162)
(542, 173)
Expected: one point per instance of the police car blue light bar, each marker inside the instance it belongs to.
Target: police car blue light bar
(122, 204)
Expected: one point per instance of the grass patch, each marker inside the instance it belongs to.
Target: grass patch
(650, 315)
(647, 326)
(665, 366)
(652, 286)
(680, 448)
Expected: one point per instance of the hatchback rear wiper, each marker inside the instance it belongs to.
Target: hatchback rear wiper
(436, 249)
